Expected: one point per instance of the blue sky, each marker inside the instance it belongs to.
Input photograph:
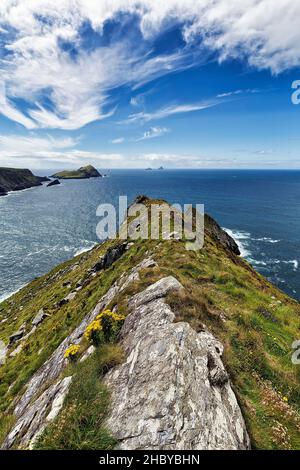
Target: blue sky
(132, 84)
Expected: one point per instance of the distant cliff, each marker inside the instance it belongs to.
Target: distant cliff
(193, 351)
(16, 179)
(82, 173)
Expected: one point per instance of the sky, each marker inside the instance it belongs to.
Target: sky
(137, 84)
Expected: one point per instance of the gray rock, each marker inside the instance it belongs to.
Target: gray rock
(3, 352)
(87, 353)
(16, 336)
(173, 392)
(111, 255)
(39, 318)
(16, 351)
(43, 410)
(222, 237)
(70, 296)
(155, 291)
(55, 364)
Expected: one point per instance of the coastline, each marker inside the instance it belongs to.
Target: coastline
(79, 252)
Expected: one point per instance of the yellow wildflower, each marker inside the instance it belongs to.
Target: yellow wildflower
(285, 399)
(72, 352)
(92, 328)
(113, 315)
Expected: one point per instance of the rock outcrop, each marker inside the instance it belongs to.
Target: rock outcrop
(39, 318)
(16, 179)
(3, 352)
(42, 411)
(53, 183)
(173, 391)
(222, 237)
(28, 423)
(82, 173)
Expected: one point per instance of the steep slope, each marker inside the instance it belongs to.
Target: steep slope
(205, 347)
(15, 179)
(82, 173)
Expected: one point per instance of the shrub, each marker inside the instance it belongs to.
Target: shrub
(72, 352)
(104, 328)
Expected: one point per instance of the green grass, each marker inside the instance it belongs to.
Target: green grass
(81, 423)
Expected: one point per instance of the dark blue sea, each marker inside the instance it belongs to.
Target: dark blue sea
(41, 227)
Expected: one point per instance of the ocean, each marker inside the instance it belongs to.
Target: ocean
(41, 227)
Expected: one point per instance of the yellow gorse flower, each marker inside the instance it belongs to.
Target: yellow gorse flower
(113, 315)
(72, 351)
(94, 327)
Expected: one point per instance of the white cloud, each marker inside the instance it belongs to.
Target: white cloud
(237, 92)
(32, 65)
(15, 144)
(46, 152)
(153, 132)
(119, 140)
(10, 111)
(169, 111)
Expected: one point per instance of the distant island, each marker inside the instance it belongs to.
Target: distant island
(82, 173)
(150, 169)
(16, 179)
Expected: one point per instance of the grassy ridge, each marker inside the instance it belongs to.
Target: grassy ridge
(255, 321)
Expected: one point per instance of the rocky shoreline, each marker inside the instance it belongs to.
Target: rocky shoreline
(18, 179)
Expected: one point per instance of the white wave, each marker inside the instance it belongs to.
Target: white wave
(256, 262)
(294, 262)
(266, 239)
(18, 191)
(84, 249)
(240, 238)
(32, 253)
(9, 294)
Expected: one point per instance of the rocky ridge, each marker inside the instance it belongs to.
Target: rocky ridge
(172, 387)
(171, 393)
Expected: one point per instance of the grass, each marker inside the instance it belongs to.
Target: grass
(81, 423)
(6, 423)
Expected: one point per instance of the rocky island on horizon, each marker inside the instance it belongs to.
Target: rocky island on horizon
(83, 172)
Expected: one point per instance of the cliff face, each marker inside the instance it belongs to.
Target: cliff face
(15, 179)
(200, 361)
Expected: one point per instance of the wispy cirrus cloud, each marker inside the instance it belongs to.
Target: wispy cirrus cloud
(237, 92)
(167, 111)
(51, 79)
